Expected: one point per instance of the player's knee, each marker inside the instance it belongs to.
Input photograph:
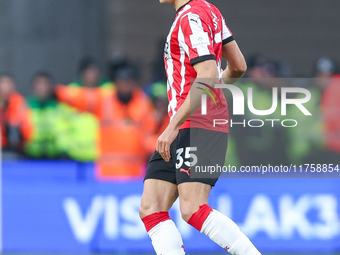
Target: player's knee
(144, 210)
(187, 211)
(149, 207)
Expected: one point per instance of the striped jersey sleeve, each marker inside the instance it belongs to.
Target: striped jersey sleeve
(195, 37)
(227, 36)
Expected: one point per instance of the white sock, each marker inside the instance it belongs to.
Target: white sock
(224, 232)
(166, 239)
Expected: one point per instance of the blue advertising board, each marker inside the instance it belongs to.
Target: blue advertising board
(58, 206)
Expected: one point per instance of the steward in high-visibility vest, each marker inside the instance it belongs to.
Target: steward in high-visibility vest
(126, 124)
(264, 144)
(306, 138)
(60, 131)
(78, 133)
(90, 75)
(88, 87)
(316, 138)
(16, 128)
(157, 92)
(330, 104)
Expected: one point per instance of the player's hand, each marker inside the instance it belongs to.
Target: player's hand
(165, 140)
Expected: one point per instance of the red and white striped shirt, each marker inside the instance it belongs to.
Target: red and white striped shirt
(197, 34)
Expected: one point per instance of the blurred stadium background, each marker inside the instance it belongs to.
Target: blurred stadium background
(67, 190)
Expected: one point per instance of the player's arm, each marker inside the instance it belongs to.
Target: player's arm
(207, 72)
(236, 63)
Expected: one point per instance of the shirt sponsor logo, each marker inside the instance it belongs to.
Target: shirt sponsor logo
(199, 39)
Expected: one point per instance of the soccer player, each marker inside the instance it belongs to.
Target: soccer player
(197, 41)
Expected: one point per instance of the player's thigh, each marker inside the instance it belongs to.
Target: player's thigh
(158, 196)
(160, 189)
(192, 195)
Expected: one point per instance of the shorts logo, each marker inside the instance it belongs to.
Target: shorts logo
(185, 171)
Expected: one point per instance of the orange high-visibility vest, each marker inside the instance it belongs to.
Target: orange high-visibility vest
(83, 98)
(152, 140)
(17, 114)
(331, 114)
(125, 130)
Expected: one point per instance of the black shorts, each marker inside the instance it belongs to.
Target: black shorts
(193, 150)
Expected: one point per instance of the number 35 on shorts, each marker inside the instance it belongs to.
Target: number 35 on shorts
(189, 158)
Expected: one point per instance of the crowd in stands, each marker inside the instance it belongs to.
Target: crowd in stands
(115, 121)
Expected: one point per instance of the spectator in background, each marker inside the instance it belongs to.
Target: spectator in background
(59, 130)
(325, 68)
(260, 68)
(265, 145)
(118, 61)
(331, 118)
(16, 128)
(308, 141)
(157, 92)
(44, 117)
(330, 107)
(89, 88)
(126, 124)
(90, 75)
